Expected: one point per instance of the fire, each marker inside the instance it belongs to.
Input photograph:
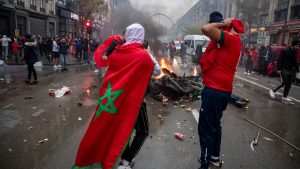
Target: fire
(195, 72)
(163, 64)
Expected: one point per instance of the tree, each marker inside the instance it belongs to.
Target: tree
(91, 9)
(248, 10)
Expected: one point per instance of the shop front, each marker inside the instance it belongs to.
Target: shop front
(66, 22)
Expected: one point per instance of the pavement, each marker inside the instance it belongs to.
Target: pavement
(38, 131)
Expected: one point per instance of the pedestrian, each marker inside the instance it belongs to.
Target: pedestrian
(262, 60)
(63, 51)
(172, 50)
(183, 53)
(249, 63)
(86, 46)
(5, 45)
(269, 59)
(79, 49)
(287, 67)
(30, 57)
(128, 74)
(15, 50)
(218, 65)
(55, 53)
(198, 52)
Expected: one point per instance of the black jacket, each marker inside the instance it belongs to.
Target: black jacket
(288, 60)
(30, 54)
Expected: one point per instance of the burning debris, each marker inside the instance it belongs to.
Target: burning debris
(168, 86)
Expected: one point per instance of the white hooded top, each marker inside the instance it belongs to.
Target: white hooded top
(135, 33)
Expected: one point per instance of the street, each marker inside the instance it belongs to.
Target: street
(38, 131)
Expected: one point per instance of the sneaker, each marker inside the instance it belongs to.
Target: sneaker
(216, 163)
(204, 166)
(286, 99)
(248, 74)
(272, 94)
(34, 82)
(27, 81)
(96, 71)
(124, 167)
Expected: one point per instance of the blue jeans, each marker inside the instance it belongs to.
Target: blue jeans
(214, 102)
(63, 61)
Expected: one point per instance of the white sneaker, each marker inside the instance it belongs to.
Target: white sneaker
(123, 167)
(286, 99)
(272, 94)
(248, 74)
(96, 71)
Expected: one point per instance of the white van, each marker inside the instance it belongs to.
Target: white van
(192, 41)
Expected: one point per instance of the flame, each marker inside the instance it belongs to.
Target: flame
(195, 72)
(163, 64)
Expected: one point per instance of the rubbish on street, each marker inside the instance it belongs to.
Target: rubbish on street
(79, 118)
(43, 141)
(183, 106)
(24, 140)
(7, 106)
(28, 97)
(268, 139)
(254, 143)
(30, 128)
(60, 92)
(291, 154)
(80, 104)
(179, 136)
(2, 63)
(189, 110)
(272, 133)
(10, 150)
(165, 100)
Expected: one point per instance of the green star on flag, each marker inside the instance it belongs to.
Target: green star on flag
(109, 105)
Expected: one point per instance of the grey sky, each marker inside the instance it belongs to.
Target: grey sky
(173, 8)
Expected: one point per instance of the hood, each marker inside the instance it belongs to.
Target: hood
(135, 33)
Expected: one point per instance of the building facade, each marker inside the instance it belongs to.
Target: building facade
(7, 17)
(285, 18)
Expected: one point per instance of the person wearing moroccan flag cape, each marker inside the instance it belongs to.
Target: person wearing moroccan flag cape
(121, 96)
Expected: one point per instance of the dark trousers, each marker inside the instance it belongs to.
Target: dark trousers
(31, 70)
(287, 77)
(249, 65)
(214, 102)
(142, 132)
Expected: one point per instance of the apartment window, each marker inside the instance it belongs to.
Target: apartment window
(32, 2)
(51, 4)
(295, 12)
(280, 15)
(42, 4)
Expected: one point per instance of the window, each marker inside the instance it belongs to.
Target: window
(51, 5)
(32, 2)
(295, 12)
(280, 15)
(42, 4)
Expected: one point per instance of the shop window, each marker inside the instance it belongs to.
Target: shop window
(274, 39)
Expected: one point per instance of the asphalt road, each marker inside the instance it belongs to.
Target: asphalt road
(29, 115)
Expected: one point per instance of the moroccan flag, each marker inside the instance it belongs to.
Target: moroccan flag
(121, 95)
(102, 48)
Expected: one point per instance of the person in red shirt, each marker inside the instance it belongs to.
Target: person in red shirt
(218, 65)
(15, 50)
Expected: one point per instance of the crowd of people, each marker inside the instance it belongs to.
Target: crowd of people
(48, 49)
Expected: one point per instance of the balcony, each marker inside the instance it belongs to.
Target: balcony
(43, 10)
(33, 7)
(20, 4)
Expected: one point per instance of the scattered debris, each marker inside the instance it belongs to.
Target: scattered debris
(165, 100)
(25, 140)
(179, 136)
(183, 106)
(43, 141)
(30, 128)
(28, 97)
(10, 150)
(79, 118)
(188, 110)
(60, 92)
(268, 139)
(80, 104)
(254, 143)
(7, 106)
(291, 154)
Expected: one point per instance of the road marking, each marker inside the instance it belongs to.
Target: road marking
(249, 81)
(196, 114)
(253, 78)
